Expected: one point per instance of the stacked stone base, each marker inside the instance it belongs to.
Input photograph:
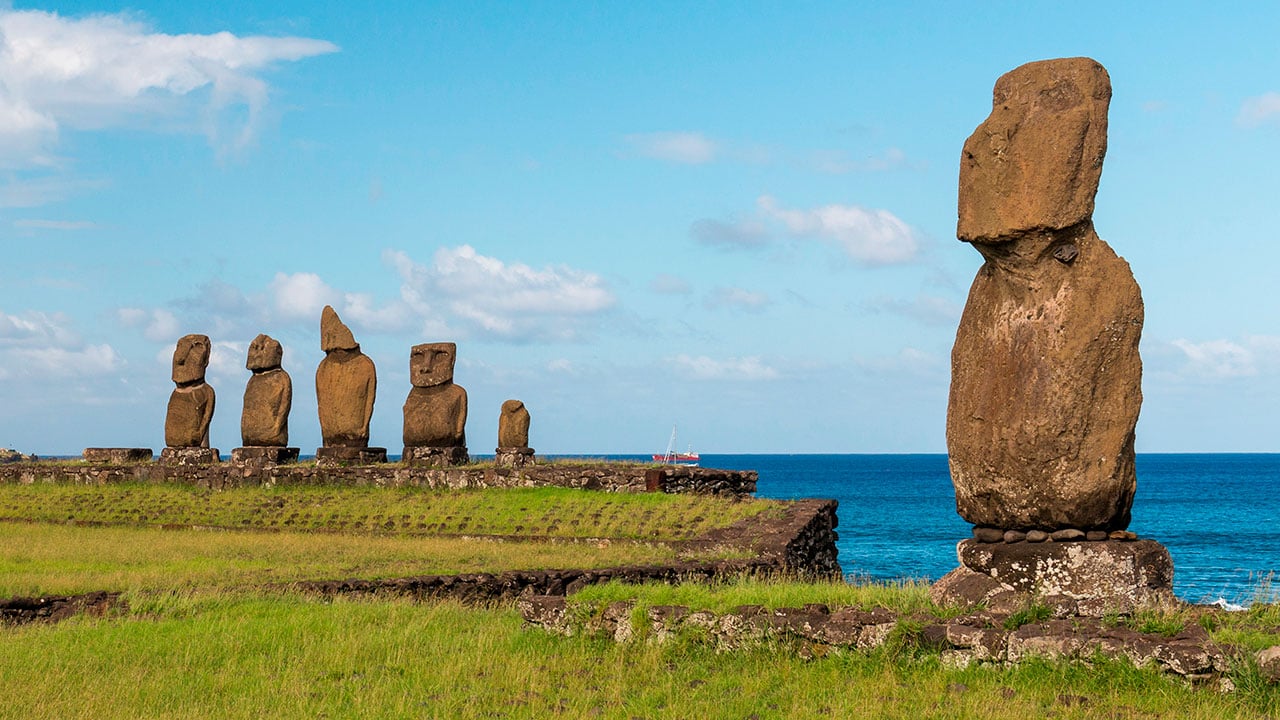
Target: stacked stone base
(189, 456)
(338, 456)
(435, 457)
(513, 457)
(117, 455)
(1085, 579)
(265, 454)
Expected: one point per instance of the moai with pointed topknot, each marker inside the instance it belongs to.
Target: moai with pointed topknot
(513, 436)
(1046, 381)
(268, 397)
(435, 413)
(186, 424)
(346, 385)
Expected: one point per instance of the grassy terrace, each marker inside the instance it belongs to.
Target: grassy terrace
(532, 512)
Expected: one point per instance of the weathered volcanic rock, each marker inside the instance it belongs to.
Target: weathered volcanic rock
(435, 413)
(267, 397)
(1045, 372)
(346, 384)
(186, 424)
(513, 425)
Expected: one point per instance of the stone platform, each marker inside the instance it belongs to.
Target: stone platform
(1087, 579)
(513, 456)
(264, 454)
(337, 456)
(117, 455)
(434, 457)
(189, 456)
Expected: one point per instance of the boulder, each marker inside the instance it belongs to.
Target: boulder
(1045, 372)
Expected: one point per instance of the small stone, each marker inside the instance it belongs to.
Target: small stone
(988, 534)
(1124, 535)
(1037, 536)
(1096, 535)
(1067, 535)
(1269, 663)
(1013, 536)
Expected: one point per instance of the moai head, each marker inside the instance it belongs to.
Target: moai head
(1035, 162)
(190, 359)
(265, 353)
(512, 407)
(431, 364)
(334, 335)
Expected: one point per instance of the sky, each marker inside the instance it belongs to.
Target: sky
(737, 218)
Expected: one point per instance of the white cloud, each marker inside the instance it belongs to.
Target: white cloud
(109, 70)
(687, 148)
(927, 309)
(36, 329)
(158, 325)
(496, 299)
(702, 367)
(736, 235)
(301, 296)
(1255, 111)
(37, 345)
(737, 299)
(1217, 359)
(871, 237)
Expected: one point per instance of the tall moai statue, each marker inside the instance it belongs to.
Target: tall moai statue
(513, 436)
(1045, 373)
(268, 397)
(190, 411)
(435, 413)
(346, 384)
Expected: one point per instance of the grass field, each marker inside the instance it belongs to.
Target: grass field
(198, 636)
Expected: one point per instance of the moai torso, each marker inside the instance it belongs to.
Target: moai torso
(513, 425)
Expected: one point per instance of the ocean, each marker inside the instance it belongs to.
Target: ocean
(1219, 514)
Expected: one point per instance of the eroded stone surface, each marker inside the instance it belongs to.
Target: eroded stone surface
(435, 413)
(191, 404)
(116, 455)
(1045, 372)
(268, 396)
(346, 385)
(513, 425)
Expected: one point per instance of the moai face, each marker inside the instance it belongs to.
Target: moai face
(190, 359)
(1035, 162)
(265, 353)
(431, 364)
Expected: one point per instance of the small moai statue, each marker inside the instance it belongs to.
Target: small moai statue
(513, 436)
(346, 384)
(268, 397)
(186, 424)
(435, 413)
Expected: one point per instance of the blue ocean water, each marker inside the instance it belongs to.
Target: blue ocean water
(1219, 514)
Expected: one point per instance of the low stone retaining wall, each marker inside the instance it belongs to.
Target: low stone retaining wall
(817, 630)
(20, 611)
(603, 476)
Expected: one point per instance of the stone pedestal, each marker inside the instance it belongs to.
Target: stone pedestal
(264, 455)
(513, 457)
(350, 455)
(189, 456)
(117, 455)
(435, 456)
(1073, 578)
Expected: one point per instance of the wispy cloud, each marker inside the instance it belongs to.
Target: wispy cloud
(735, 298)
(840, 162)
(37, 224)
(868, 236)
(686, 148)
(702, 367)
(38, 345)
(926, 309)
(744, 234)
(667, 284)
(1257, 110)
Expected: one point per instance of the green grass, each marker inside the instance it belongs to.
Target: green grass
(40, 559)
(541, 512)
(291, 656)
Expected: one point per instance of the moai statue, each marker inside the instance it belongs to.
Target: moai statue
(346, 383)
(268, 397)
(513, 436)
(186, 424)
(435, 413)
(1046, 381)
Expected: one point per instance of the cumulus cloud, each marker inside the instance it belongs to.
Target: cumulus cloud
(1217, 359)
(702, 367)
(36, 345)
(870, 237)
(1255, 111)
(744, 234)
(686, 148)
(109, 70)
(157, 325)
(503, 300)
(736, 298)
(301, 296)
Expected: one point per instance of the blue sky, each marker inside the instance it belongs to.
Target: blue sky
(735, 217)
